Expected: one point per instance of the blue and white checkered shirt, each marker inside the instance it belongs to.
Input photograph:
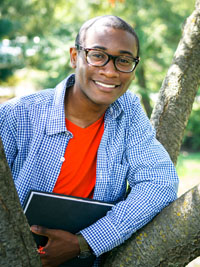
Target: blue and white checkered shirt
(35, 137)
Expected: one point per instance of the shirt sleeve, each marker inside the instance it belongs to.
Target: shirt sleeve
(153, 181)
(8, 132)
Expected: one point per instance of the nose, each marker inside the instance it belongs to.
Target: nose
(109, 70)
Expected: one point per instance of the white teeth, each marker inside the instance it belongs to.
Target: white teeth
(105, 85)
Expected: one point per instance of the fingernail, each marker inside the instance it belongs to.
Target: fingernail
(34, 228)
(40, 250)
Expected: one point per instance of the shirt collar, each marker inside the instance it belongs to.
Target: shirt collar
(56, 119)
(116, 108)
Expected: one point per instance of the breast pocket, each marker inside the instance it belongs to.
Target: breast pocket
(117, 182)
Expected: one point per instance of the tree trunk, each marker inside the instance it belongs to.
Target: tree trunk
(143, 91)
(170, 239)
(171, 112)
(17, 247)
(173, 237)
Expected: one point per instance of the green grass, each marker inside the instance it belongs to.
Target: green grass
(188, 168)
(188, 164)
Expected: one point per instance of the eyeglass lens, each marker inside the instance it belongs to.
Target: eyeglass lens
(122, 63)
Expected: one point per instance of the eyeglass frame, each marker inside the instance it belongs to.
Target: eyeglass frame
(86, 50)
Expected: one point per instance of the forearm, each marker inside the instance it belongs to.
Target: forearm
(127, 217)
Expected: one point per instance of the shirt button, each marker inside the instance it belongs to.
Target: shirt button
(62, 159)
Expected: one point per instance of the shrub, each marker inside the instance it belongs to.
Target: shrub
(191, 140)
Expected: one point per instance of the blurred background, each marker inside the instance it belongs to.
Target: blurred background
(35, 37)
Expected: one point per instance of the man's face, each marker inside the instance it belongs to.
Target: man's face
(103, 85)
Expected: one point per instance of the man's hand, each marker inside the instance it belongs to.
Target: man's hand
(61, 246)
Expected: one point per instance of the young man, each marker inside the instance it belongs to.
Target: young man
(88, 137)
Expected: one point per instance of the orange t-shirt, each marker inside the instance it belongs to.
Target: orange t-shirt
(78, 172)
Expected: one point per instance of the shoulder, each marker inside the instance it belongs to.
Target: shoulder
(30, 106)
(32, 99)
(137, 122)
(131, 106)
(41, 97)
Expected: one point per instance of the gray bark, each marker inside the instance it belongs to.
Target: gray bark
(172, 238)
(171, 112)
(17, 247)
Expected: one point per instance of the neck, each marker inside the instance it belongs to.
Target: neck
(80, 112)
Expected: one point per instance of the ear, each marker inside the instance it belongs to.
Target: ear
(73, 56)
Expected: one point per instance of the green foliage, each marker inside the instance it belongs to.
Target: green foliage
(6, 27)
(191, 138)
(56, 23)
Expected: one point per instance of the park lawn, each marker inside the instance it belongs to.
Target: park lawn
(188, 168)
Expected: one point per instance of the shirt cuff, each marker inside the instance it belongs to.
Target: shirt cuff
(102, 236)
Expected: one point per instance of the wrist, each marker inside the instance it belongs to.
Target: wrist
(85, 249)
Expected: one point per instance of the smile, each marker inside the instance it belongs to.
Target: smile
(106, 85)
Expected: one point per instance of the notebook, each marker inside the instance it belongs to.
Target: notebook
(63, 212)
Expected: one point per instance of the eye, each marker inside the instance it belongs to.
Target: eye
(125, 60)
(96, 55)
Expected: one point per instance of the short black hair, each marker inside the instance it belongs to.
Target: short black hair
(110, 21)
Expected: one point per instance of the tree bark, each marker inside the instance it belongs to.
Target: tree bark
(171, 112)
(170, 239)
(17, 247)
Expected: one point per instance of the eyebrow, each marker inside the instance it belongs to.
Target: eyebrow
(120, 51)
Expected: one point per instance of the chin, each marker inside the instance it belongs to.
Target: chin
(104, 102)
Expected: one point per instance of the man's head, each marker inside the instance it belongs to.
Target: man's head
(109, 21)
(104, 60)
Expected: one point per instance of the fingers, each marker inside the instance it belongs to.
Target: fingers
(40, 230)
(61, 246)
(41, 250)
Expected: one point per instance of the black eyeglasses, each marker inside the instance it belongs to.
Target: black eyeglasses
(99, 58)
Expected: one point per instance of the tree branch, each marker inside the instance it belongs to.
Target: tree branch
(170, 239)
(171, 112)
